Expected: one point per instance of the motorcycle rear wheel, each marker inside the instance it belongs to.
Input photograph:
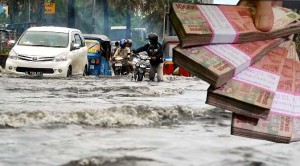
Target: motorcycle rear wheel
(140, 77)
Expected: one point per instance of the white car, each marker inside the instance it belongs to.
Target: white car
(50, 52)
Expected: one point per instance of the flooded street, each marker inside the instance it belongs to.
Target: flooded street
(115, 121)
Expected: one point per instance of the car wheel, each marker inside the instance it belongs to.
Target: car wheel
(85, 73)
(69, 73)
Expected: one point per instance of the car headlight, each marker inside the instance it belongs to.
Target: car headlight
(12, 54)
(61, 57)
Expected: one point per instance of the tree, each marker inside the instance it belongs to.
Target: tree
(155, 10)
(12, 9)
(106, 25)
(130, 6)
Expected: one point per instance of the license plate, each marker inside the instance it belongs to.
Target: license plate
(92, 67)
(33, 73)
(118, 64)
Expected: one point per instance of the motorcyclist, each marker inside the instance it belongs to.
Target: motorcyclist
(129, 43)
(123, 52)
(155, 52)
(117, 45)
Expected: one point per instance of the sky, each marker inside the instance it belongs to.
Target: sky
(229, 2)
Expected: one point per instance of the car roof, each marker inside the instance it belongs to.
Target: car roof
(96, 36)
(52, 29)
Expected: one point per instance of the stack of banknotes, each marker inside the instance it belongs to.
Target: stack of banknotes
(254, 74)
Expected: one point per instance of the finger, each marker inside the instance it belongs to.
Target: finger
(244, 3)
(264, 17)
(277, 3)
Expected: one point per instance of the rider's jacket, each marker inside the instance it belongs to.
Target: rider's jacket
(152, 50)
(122, 52)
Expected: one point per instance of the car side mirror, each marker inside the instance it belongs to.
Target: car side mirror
(75, 46)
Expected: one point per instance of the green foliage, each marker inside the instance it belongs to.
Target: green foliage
(144, 13)
(4, 51)
(2, 18)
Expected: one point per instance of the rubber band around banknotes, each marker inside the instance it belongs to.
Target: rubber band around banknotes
(232, 55)
(222, 29)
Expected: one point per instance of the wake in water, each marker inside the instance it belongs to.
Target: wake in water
(114, 161)
(105, 121)
(125, 116)
(104, 102)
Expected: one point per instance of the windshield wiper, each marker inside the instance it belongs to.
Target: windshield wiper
(41, 45)
(93, 46)
(58, 46)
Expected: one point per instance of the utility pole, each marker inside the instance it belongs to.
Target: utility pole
(29, 11)
(166, 30)
(40, 12)
(71, 14)
(106, 25)
(93, 17)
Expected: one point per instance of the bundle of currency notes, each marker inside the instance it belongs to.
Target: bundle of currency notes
(206, 24)
(283, 121)
(254, 74)
(251, 92)
(217, 64)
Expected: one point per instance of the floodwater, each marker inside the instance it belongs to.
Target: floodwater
(111, 121)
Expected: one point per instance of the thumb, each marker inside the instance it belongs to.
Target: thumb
(264, 17)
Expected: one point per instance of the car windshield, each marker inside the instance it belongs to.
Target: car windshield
(45, 39)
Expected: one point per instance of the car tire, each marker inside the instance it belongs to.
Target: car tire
(85, 72)
(69, 72)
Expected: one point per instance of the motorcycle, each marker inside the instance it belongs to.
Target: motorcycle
(141, 65)
(119, 66)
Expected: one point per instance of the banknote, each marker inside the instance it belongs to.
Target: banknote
(283, 122)
(251, 92)
(205, 24)
(216, 64)
(296, 115)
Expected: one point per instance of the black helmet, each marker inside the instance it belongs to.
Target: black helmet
(117, 43)
(153, 38)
